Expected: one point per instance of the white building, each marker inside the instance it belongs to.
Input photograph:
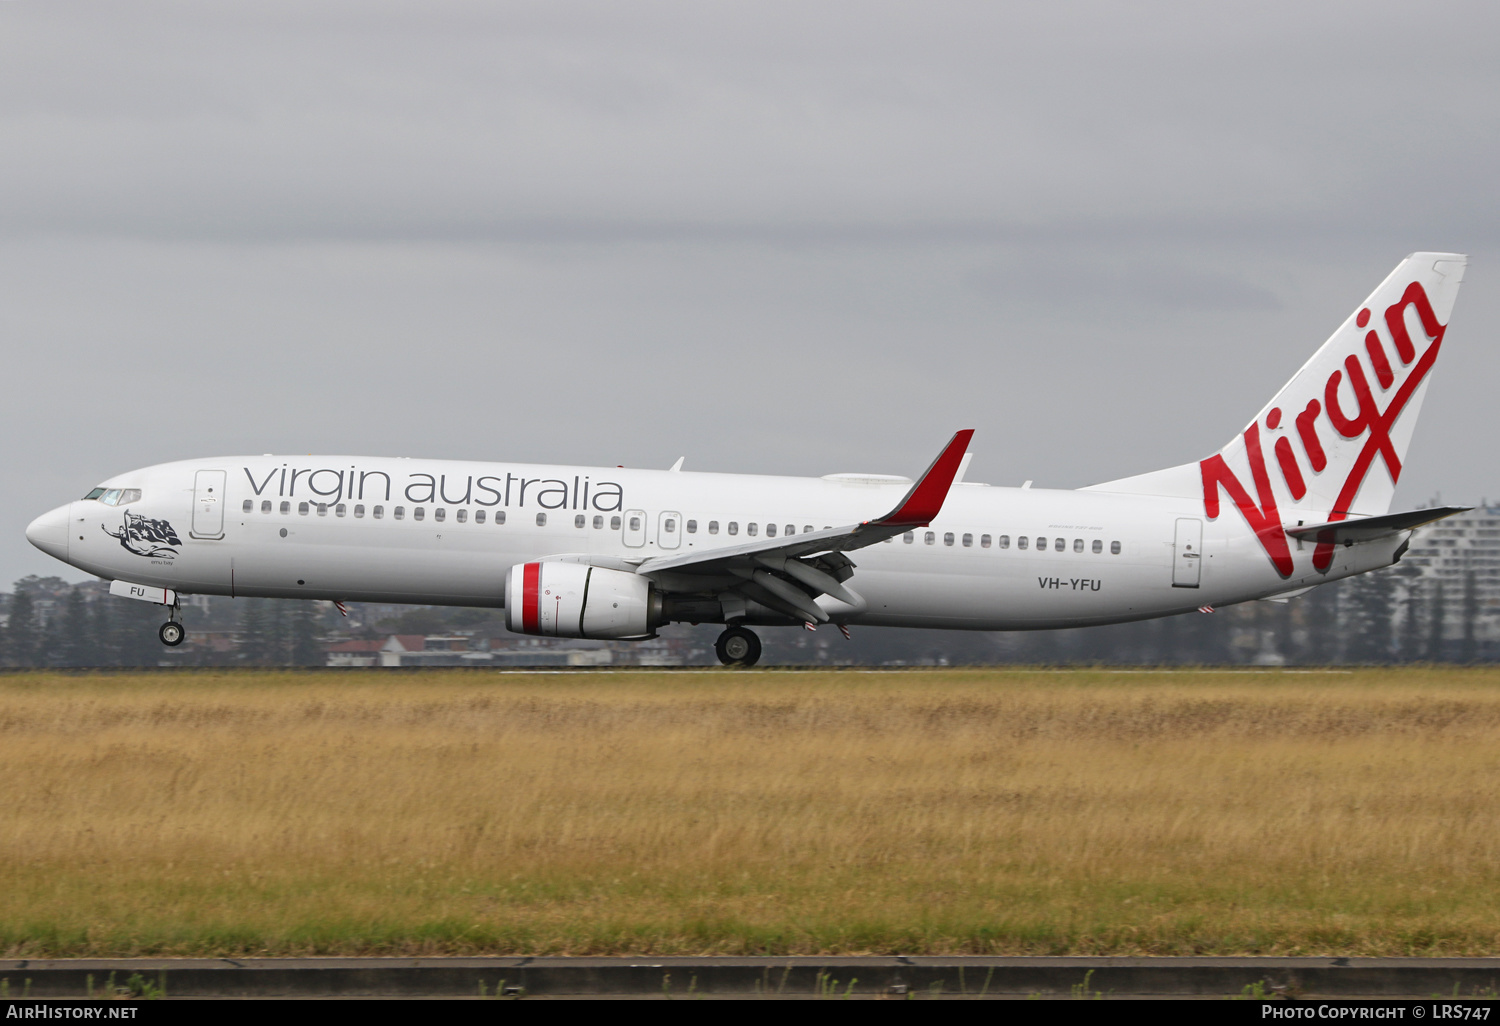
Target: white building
(1446, 553)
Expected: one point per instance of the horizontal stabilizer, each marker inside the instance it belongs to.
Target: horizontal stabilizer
(1372, 527)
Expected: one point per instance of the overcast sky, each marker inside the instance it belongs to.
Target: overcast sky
(772, 237)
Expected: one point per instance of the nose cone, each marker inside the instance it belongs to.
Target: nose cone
(49, 532)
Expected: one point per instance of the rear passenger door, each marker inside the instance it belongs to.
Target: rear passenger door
(1187, 553)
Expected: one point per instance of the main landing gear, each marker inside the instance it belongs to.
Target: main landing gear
(172, 632)
(738, 647)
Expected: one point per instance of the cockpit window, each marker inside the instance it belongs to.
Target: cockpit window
(94, 493)
(115, 496)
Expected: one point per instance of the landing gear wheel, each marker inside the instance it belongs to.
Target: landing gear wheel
(738, 647)
(171, 633)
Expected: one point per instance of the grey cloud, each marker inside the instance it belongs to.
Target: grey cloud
(347, 120)
(1091, 284)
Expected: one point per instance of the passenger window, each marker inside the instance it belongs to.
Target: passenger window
(419, 512)
(340, 510)
(929, 538)
(909, 537)
(265, 507)
(807, 528)
(1114, 548)
(1003, 541)
(440, 514)
(598, 523)
(770, 531)
(751, 529)
(614, 523)
(1041, 544)
(1098, 545)
(984, 541)
(713, 527)
(541, 520)
(249, 506)
(580, 520)
(462, 516)
(302, 509)
(1077, 544)
(322, 509)
(479, 516)
(734, 527)
(359, 511)
(791, 528)
(968, 541)
(499, 517)
(948, 538)
(286, 507)
(670, 525)
(635, 523)
(692, 527)
(1060, 544)
(1021, 542)
(378, 512)
(399, 512)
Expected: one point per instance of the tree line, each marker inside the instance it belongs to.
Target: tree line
(1391, 616)
(52, 624)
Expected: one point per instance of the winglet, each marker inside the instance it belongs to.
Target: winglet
(925, 500)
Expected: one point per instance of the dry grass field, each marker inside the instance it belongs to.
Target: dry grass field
(983, 811)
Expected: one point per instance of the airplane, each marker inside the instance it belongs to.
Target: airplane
(1299, 498)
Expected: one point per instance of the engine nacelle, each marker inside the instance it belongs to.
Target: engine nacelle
(574, 600)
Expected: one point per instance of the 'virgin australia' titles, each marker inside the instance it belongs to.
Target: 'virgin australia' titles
(333, 484)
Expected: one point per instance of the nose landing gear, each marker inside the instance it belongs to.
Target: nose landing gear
(738, 647)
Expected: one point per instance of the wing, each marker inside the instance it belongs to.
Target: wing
(787, 574)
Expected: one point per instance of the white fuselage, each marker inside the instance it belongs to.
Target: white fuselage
(308, 528)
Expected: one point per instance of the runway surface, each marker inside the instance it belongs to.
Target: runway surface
(791, 977)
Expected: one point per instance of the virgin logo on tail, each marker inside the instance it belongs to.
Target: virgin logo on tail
(1368, 420)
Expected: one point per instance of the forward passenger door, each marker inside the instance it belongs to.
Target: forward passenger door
(208, 504)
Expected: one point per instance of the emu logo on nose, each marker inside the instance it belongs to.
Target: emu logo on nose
(145, 537)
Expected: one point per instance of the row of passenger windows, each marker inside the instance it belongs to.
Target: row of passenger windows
(1022, 542)
(669, 525)
(752, 529)
(340, 509)
(440, 515)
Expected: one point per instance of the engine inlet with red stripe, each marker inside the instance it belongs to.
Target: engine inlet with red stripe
(531, 587)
